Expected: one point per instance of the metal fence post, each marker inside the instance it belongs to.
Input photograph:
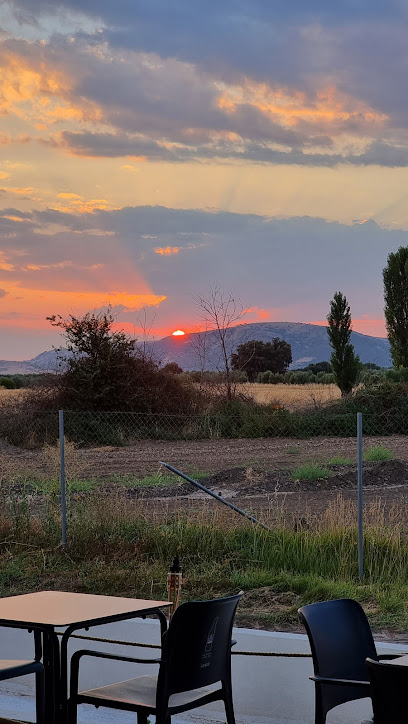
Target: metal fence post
(63, 480)
(360, 493)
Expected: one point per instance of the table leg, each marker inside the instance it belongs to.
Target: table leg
(51, 659)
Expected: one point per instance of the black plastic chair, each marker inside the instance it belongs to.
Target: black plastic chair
(388, 686)
(196, 654)
(340, 639)
(15, 668)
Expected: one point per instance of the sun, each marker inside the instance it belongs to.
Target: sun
(178, 333)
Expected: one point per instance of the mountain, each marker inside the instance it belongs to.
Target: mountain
(309, 344)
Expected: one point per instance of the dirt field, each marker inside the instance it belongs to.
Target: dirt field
(293, 397)
(253, 474)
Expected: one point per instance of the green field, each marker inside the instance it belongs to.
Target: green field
(115, 547)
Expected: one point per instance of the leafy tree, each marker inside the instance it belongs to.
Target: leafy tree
(255, 357)
(345, 363)
(395, 276)
(318, 367)
(8, 383)
(105, 371)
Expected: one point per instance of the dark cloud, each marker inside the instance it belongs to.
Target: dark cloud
(267, 258)
(117, 145)
(157, 73)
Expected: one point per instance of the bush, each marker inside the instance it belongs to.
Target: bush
(8, 383)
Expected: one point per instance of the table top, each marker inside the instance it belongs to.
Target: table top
(62, 608)
(400, 661)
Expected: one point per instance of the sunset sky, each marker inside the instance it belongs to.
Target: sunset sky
(152, 148)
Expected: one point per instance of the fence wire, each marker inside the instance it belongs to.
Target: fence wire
(28, 429)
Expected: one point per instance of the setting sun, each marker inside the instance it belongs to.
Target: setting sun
(178, 333)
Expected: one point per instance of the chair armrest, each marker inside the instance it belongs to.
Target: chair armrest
(340, 682)
(116, 657)
(74, 680)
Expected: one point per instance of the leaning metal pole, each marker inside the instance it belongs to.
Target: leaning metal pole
(214, 495)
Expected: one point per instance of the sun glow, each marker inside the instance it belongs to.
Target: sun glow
(178, 333)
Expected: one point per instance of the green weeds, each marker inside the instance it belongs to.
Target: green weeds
(377, 453)
(310, 471)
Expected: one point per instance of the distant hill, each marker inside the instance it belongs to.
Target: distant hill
(309, 344)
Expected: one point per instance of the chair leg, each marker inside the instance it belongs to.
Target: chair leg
(229, 706)
(72, 711)
(320, 711)
(141, 717)
(39, 697)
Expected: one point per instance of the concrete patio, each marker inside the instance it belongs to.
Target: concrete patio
(267, 690)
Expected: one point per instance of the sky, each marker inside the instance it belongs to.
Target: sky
(150, 150)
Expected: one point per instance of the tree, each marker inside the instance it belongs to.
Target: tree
(219, 312)
(318, 367)
(256, 356)
(345, 363)
(395, 276)
(105, 371)
(172, 368)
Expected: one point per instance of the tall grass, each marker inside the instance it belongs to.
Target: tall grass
(123, 548)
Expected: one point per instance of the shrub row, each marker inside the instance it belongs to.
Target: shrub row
(297, 377)
(234, 420)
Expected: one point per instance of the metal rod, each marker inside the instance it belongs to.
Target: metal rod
(360, 493)
(214, 495)
(63, 480)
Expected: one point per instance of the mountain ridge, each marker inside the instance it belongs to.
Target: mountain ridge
(201, 350)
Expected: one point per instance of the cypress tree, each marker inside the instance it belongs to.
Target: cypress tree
(345, 363)
(395, 277)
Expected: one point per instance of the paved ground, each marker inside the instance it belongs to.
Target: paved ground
(271, 690)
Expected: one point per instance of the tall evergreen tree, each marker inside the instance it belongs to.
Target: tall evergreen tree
(345, 363)
(395, 277)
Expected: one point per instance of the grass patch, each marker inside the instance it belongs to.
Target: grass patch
(125, 547)
(377, 453)
(310, 471)
(293, 450)
(339, 460)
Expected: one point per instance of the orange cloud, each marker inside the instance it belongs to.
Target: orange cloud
(38, 92)
(44, 302)
(167, 251)
(78, 206)
(4, 264)
(17, 191)
(290, 107)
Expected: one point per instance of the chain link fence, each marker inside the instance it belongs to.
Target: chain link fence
(104, 450)
(31, 430)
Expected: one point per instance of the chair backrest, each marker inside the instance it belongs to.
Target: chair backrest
(197, 645)
(389, 685)
(340, 638)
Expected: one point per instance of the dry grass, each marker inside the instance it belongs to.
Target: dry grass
(293, 397)
(8, 395)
